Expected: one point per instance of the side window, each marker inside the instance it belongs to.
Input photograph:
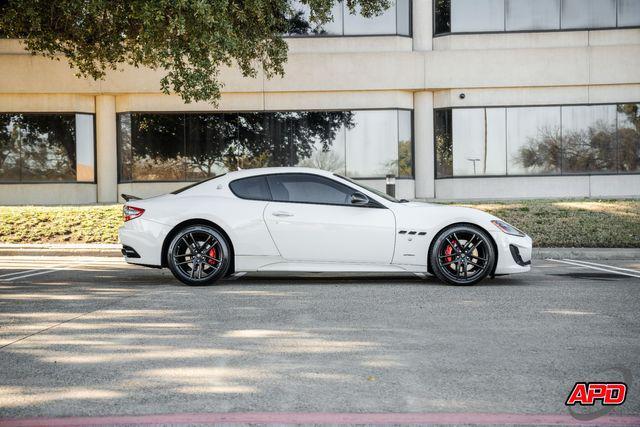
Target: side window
(253, 188)
(305, 188)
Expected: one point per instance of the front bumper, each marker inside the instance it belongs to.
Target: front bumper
(514, 253)
(143, 238)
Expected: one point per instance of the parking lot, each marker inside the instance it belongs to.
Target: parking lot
(87, 337)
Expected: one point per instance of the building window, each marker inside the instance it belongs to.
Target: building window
(478, 16)
(47, 147)
(394, 21)
(553, 140)
(193, 146)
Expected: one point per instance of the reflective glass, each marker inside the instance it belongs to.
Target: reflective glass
(477, 15)
(299, 22)
(405, 144)
(85, 156)
(628, 13)
(47, 146)
(522, 15)
(629, 137)
(125, 155)
(158, 147)
(534, 140)
(442, 10)
(322, 144)
(209, 139)
(9, 147)
(479, 141)
(253, 188)
(372, 144)
(588, 13)
(589, 138)
(305, 188)
(443, 142)
(403, 17)
(356, 24)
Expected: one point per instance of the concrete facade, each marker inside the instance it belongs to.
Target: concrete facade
(419, 73)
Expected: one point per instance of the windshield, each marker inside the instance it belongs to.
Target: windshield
(180, 190)
(373, 190)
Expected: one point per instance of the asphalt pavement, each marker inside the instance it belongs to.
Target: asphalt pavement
(91, 337)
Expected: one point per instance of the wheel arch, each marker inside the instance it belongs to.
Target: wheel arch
(453, 224)
(197, 221)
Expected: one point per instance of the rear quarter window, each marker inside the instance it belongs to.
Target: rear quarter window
(252, 188)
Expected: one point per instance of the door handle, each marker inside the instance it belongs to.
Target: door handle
(282, 213)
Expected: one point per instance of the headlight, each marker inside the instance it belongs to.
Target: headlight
(507, 228)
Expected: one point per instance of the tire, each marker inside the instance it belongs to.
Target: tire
(199, 255)
(462, 255)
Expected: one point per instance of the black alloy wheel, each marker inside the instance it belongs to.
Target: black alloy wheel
(198, 255)
(462, 255)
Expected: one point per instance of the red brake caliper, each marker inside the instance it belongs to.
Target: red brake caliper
(448, 251)
(212, 254)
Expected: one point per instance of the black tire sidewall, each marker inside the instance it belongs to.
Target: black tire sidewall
(224, 246)
(440, 239)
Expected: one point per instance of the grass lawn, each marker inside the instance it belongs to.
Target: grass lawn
(551, 223)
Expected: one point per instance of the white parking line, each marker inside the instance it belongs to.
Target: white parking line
(571, 262)
(35, 269)
(603, 265)
(40, 272)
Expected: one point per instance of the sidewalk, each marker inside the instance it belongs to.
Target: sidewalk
(113, 250)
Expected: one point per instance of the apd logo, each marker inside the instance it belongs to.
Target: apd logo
(607, 394)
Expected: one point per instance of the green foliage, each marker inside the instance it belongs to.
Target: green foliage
(191, 39)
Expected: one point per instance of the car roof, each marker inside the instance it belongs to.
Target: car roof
(267, 171)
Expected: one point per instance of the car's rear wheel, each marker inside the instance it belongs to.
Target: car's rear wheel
(462, 255)
(198, 255)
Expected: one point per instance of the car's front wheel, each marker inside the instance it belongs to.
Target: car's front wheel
(462, 255)
(198, 255)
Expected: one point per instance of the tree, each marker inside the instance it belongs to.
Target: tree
(191, 39)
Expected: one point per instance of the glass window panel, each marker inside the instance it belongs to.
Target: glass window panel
(629, 137)
(628, 13)
(320, 140)
(382, 24)
(209, 138)
(85, 157)
(443, 143)
(9, 147)
(372, 144)
(589, 138)
(533, 140)
(405, 144)
(253, 188)
(403, 17)
(442, 16)
(479, 141)
(277, 148)
(251, 149)
(299, 22)
(477, 15)
(47, 146)
(304, 188)
(157, 145)
(588, 13)
(522, 15)
(125, 156)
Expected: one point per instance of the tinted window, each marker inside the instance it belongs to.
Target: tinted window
(305, 188)
(522, 15)
(254, 188)
(588, 13)
(628, 13)
(477, 15)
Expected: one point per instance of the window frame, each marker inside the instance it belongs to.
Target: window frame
(194, 112)
(560, 174)
(95, 148)
(372, 202)
(505, 31)
(329, 36)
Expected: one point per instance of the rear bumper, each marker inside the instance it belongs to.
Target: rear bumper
(143, 238)
(514, 253)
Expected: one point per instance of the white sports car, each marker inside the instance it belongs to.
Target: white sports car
(307, 220)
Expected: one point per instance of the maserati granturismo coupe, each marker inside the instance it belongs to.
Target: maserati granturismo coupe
(299, 220)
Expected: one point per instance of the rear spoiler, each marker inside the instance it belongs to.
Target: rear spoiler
(128, 197)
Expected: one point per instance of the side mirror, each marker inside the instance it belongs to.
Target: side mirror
(359, 199)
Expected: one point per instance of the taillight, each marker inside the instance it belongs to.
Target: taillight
(131, 212)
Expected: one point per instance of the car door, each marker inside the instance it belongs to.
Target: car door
(312, 218)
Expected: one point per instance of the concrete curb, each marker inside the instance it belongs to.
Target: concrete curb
(113, 250)
(60, 249)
